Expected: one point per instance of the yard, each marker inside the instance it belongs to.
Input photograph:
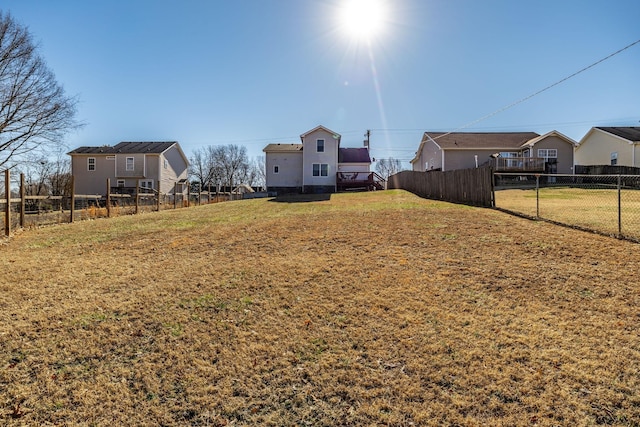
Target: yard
(594, 209)
(375, 308)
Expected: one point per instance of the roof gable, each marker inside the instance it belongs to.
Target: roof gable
(336, 135)
(555, 133)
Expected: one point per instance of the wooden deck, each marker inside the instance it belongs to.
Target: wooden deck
(519, 164)
(363, 181)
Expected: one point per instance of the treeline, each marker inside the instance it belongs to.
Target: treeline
(225, 166)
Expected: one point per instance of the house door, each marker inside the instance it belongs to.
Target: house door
(551, 167)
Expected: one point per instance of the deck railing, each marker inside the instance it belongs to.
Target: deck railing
(519, 164)
(359, 179)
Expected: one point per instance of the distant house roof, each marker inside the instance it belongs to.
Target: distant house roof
(128, 148)
(354, 155)
(628, 133)
(475, 140)
(271, 148)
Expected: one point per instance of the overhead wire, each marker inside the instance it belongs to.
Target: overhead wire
(526, 98)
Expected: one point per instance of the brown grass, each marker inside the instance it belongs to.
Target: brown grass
(365, 309)
(594, 209)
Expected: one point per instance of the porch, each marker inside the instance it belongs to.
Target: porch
(518, 164)
(353, 181)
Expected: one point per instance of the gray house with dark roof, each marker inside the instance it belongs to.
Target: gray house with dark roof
(152, 165)
(317, 165)
(505, 151)
(610, 146)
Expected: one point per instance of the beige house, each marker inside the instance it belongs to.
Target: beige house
(505, 151)
(317, 165)
(158, 166)
(609, 146)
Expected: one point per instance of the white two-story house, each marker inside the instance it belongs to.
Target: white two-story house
(317, 165)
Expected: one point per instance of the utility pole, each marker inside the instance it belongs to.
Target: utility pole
(367, 135)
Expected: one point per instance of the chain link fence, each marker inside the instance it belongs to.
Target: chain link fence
(606, 204)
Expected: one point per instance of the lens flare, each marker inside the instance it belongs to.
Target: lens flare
(363, 19)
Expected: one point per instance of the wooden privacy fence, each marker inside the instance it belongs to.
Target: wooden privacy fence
(467, 186)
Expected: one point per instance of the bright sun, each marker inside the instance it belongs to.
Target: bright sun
(363, 19)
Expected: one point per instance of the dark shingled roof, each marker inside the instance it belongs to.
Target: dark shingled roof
(127, 147)
(628, 133)
(478, 140)
(354, 155)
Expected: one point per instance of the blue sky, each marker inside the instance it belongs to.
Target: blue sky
(253, 72)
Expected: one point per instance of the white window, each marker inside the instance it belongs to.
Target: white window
(320, 169)
(130, 163)
(276, 169)
(91, 163)
(548, 153)
(120, 183)
(166, 164)
(614, 158)
(146, 183)
(320, 145)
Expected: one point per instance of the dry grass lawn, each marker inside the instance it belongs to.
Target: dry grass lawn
(594, 209)
(366, 309)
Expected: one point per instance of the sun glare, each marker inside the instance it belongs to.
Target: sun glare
(363, 19)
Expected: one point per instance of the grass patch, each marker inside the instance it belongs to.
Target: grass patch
(363, 309)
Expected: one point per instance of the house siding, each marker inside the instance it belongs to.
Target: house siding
(430, 153)
(176, 170)
(311, 156)
(565, 152)
(91, 182)
(465, 159)
(138, 166)
(289, 176)
(597, 146)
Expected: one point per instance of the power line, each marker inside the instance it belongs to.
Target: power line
(526, 98)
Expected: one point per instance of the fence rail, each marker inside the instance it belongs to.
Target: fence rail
(466, 186)
(19, 210)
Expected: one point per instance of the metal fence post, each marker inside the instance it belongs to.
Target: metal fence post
(619, 207)
(537, 196)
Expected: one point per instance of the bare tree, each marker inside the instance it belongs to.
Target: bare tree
(232, 160)
(46, 177)
(261, 171)
(225, 165)
(388, 167)
(34, 110)
(59, 178)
